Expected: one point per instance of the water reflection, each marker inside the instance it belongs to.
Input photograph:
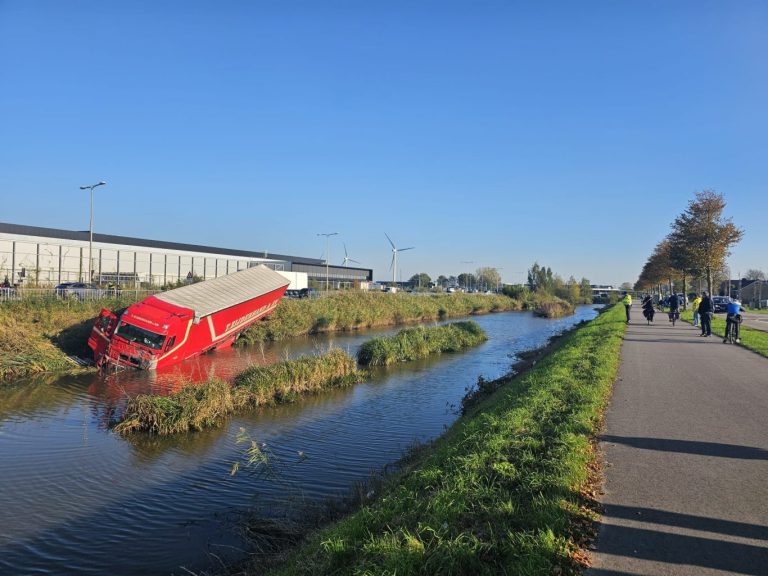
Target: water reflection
(76, 498)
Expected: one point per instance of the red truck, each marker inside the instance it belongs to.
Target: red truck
(172, 326)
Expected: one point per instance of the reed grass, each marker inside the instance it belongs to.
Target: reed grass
(551, 307)
(501, 492)
(37, 336)
(194, 407)
(206, 405)
(285, 381)
(420, 342)
(359, 310)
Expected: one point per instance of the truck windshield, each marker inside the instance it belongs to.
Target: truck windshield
(140, 336)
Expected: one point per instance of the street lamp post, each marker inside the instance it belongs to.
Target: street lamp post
(90, 228)
(327, 255)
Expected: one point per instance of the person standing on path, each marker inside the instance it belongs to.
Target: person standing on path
(706, 310)
(695, 307)
(627, 301)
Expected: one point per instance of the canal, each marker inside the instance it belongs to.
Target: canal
(77, 498)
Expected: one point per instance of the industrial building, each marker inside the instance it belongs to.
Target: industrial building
(35, 256)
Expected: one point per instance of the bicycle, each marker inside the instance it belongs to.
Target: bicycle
(732, 330)
(674, 316)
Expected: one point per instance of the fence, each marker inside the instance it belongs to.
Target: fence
(71, 294)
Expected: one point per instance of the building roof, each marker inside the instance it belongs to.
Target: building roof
(220, 293)
(160, 244)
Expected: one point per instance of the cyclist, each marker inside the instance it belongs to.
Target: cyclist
(674, 308)
(648, 310)
(732, 320)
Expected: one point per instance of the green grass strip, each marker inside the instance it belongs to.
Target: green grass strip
(755, 340)
(420, 342)
(499, 493)
(199, 406)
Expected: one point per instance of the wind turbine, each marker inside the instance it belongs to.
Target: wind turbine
(395, 250)
(347, 258)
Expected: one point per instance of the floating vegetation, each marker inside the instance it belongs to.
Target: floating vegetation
(199, 406)
(554, 308)
(420, 342)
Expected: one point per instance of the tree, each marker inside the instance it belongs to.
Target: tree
(421, 280)
(585, 290)
(657, 269)
(466, 280)
(754, 274)
(540, 279)
(574, 290)
(703, 235)
(625, 286)
(488, 278)
(441, 281)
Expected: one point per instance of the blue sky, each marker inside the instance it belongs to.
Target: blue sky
(500, 133)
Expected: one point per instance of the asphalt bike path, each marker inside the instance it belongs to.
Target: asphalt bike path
(685, 457)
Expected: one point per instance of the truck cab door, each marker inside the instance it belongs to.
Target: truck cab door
(101, 334)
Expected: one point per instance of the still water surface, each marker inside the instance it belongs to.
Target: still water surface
(76, 498)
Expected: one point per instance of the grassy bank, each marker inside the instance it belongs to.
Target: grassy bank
(420, 342)
(36, 336)
(199, 406)
(358, 310)
(755, 340)
(500, 492)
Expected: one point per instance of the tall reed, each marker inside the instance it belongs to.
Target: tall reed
(198, 406)
(358, 310)
(420, 342)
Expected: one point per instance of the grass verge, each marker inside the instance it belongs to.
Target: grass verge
(199, 406)
(500, 492)
(755, 340)
(420, 342)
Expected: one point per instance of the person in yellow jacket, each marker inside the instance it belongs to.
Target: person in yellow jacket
(627, 301)
(695, 308)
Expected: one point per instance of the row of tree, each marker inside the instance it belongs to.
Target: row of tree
(483, 279)
(541, 281)
(696, 247)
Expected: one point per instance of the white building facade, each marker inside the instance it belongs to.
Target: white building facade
(35, 256)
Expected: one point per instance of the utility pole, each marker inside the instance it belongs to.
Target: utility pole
(90, 227)
(327, 255)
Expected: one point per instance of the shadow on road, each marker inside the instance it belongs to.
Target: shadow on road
(679, 549)
(690, 447)
(702, 523)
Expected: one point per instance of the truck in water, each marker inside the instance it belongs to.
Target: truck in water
(172, 326)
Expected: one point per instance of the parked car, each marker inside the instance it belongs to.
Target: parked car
(720, 302)
(79, 291)
(302, 293)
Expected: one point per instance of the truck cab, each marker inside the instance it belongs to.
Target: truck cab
(142, 335)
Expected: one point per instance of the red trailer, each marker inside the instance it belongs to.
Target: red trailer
(172, 326)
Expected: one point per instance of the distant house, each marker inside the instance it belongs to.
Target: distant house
(755, 294)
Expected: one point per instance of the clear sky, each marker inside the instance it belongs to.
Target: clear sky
(497, 133)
